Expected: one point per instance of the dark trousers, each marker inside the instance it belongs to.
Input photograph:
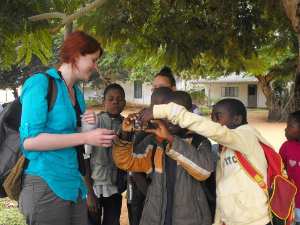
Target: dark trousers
(109, 211)
(41, 206)
(135, 207)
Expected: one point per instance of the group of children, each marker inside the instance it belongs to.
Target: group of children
(169, 163)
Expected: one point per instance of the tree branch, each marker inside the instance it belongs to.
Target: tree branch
(291, 8)
(66, 19)
(46, 16)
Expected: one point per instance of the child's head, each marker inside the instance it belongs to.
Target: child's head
(161, 95)
(292, 130)
(182, 98)
(230, 112)
(114, 99)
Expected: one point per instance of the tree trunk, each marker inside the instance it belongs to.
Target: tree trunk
(272, 103)
(68, 29)
(292, 10)
(297, 80)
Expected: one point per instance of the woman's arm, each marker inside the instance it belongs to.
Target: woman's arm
(46, 142)
(34, 121)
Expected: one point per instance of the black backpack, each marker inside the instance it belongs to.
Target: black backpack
(10, 119)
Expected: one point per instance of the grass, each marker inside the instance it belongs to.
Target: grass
(9, 213)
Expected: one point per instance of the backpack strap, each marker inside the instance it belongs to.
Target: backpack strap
(252, 172)
(52, 92)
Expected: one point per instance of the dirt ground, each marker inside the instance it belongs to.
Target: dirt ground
(273, 132)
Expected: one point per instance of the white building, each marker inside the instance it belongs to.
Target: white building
(6, 96)
(241, 87)
(244, 88)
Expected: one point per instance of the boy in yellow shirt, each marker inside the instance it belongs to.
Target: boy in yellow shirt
(240, 201)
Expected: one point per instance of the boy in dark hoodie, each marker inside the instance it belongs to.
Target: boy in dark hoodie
(175, 195)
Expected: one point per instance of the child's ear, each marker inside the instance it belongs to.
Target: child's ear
(237, 120)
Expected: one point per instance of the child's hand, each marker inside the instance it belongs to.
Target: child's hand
(161, 132)
(128, 122)
(92, 202)
(146, 115)
(127, 125)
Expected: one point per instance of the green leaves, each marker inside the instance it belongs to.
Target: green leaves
(37, 43)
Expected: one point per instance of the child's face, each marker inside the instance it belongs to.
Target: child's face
(292, 131)
(114, 102)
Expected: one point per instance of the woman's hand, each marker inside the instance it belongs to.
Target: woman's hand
(99, 137)
(89, 117)
(161, 132)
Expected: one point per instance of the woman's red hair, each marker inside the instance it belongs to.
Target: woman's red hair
(78, 43)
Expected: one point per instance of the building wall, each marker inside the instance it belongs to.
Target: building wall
(261, 99)
(6, 96)
(129, 92)
(212, 90)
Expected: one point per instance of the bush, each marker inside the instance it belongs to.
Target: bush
(9, 213)
(91, 102)
(199, 97)
(205, 111)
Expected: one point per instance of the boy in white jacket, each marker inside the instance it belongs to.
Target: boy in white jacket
(240, 201)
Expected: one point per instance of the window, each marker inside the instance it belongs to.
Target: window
(230, 92)
(138, 88)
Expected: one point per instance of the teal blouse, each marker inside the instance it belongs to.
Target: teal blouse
(58, 167)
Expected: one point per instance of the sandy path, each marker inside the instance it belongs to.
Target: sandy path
(273, 132)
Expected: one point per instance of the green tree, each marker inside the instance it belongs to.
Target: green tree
(207, 37)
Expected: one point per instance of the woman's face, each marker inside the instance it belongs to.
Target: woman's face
(85, 65)
(162, 81)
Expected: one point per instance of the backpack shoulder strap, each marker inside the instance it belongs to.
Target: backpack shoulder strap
(52, 92)
(252, 172)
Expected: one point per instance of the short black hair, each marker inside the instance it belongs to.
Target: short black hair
(295, 116)
(235, 108)
(161, 95)
(114, 86)
(167, 72)
(182, 98)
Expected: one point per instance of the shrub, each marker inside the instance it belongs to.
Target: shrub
(198, 97)
(9, 213)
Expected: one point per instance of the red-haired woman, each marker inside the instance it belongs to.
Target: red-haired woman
(53, 191)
